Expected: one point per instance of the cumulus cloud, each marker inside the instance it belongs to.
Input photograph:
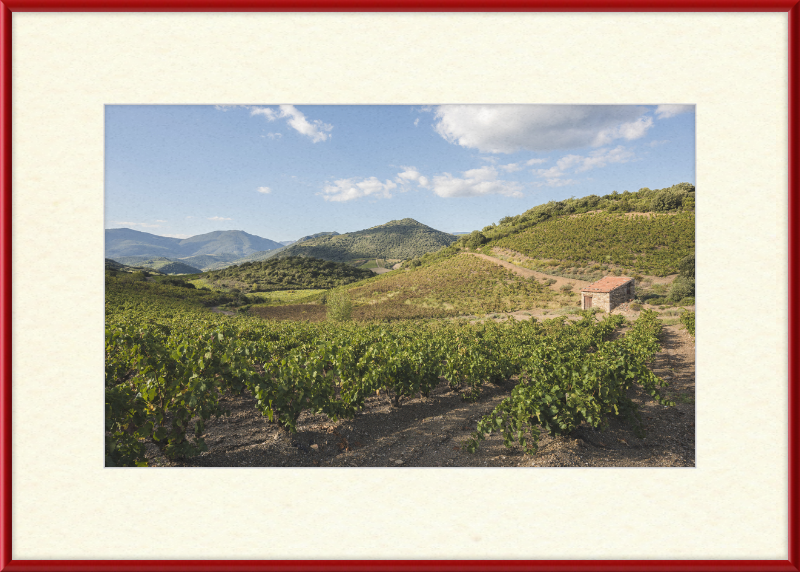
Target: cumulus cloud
(316, 130)
(667, 111)
(349, 189)
(411, 175)
(555, 175)
(264, 190)
(632, 130)
(472, 183)
(475, 183)
(218, 218)
(510, 128)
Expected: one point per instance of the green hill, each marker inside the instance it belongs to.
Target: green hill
(638, 243)
(209, 261)
(285, 274)
(159, 263)
(398, 239)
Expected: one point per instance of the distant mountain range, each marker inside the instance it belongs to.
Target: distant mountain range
(122, 242)
(397, 239)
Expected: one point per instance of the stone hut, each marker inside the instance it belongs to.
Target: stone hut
(607, 293)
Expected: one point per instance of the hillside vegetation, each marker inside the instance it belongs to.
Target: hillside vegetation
(645, 244)
(458, 285)
(285, 274)
(398, 239)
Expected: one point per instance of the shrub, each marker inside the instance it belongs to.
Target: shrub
(687, 319)
(682, 287)
(636, 307)
(566, 288)
(686, 266)
(340, 307)
(688, 301)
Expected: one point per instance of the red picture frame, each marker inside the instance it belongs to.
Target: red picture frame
(7, 7)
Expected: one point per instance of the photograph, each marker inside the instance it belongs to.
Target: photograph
(398, 286)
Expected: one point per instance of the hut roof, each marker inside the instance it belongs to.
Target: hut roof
(607, 284)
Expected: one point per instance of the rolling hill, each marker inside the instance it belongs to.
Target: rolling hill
(159, 263)
(397, 239)
(285, 273)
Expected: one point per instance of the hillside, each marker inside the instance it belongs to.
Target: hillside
(159, 263)
(398, 239)
(285, 274)
(125, 242)
(638, 243)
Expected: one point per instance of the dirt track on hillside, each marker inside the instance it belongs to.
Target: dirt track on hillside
(528, 273)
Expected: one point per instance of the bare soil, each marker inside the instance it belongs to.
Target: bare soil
(429, 432)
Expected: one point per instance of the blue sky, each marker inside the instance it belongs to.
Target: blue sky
(285, 171)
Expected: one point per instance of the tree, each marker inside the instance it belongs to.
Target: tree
(476, 240)
(686, 266)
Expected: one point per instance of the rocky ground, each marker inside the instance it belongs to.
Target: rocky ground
(429, 432)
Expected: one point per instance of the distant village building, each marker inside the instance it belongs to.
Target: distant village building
(607, 293)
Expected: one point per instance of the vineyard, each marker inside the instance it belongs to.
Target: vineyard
(652, 244)
(169, 364)
(457, 285)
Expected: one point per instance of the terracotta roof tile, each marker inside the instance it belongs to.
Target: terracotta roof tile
(607, 284)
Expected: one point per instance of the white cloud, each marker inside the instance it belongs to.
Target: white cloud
(510, 128)
(530, 162)
(667, 111)
(270, 114)
(512, 167)
(416, 122)
(657, 143)
(177, 235)
(218, 218)
(632, 130)
(474, 183)
(264, 190)
(316, 130)
(273, 135)
(349, 189)
(161, 221)
(411, 175)
(554, 176)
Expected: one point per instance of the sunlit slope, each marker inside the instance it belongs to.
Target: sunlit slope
(646, 243)
(459, 285)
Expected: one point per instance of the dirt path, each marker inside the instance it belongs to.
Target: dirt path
(528, 273)
(219, 310)
(429, 432)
